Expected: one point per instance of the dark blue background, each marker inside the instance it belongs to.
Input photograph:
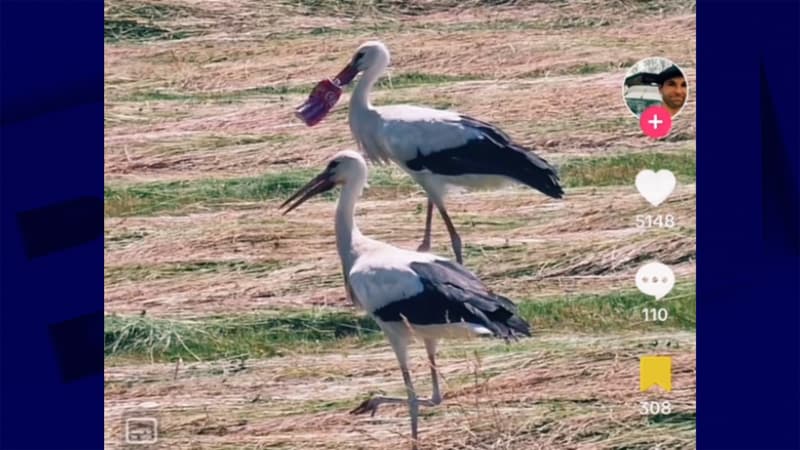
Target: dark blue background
(748, 391)
(51, 145)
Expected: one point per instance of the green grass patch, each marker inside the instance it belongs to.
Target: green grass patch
(398, 81)
(622, 169)
(353, 9)
(613, 312)
(159, 197)
(181, 196)
(117, 274)
(579, 69)
(511, 25)
(216, 142)
(471, 251)
(149, 11)
(496, 223)
(223, 96)
(320, 406)
(676, 419)
(123, 239)
(117, 30)
(139, 22)
(474, 27)
(402, 80)
(270, 335)
(166, 340)
(185, 196)
(412, 79)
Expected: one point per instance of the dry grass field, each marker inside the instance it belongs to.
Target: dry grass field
(229, 320)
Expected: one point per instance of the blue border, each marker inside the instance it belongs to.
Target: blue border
(748, 391)
(51, 150)
(51, 189)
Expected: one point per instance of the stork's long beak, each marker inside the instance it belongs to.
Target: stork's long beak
(319, 184)
(324, 96)
(347, 75)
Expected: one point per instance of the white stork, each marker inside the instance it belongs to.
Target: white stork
(407, 293)
(437, 148)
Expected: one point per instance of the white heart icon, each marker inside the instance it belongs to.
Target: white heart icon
(655, 187)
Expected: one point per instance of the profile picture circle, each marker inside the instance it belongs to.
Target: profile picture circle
(655, 81)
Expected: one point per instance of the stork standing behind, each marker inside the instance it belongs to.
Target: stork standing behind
(437, 148)
(407, 293)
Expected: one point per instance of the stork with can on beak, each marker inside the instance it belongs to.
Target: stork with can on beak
(437, 148)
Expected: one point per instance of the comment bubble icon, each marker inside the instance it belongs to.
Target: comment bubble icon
(655, 279)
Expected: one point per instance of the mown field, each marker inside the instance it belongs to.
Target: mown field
(229, 320)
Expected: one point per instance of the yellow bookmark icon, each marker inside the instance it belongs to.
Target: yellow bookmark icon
(655, 370)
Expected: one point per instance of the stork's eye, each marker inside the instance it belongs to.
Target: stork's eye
(332, 165)
(358, 56)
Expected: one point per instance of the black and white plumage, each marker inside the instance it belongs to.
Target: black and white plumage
(449, 294)
(408, 293)
(435, 296)
(438, 148)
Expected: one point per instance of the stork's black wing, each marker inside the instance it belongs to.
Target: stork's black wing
(491, 153)
(452, 294)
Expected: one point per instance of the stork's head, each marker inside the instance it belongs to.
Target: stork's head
(371, 54)
(345, 167)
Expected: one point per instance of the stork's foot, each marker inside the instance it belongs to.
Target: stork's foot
(425, 247)
(371, 405)
(368, 406)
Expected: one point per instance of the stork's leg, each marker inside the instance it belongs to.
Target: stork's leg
(426, 238)
(399, 339)
(436, 396)
(400, 346)
(455, 239)
(413, 407)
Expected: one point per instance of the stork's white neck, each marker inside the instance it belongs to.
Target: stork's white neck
(348, 237)
(365, 123)
(360, 97)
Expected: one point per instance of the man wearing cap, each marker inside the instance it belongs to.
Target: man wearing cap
(672, 87)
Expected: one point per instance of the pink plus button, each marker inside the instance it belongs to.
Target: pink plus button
(655, 122)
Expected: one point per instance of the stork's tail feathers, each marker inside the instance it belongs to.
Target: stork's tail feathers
(510, 323)
(522, 164)
(518, 325)
(505, 321)
(538, 174)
